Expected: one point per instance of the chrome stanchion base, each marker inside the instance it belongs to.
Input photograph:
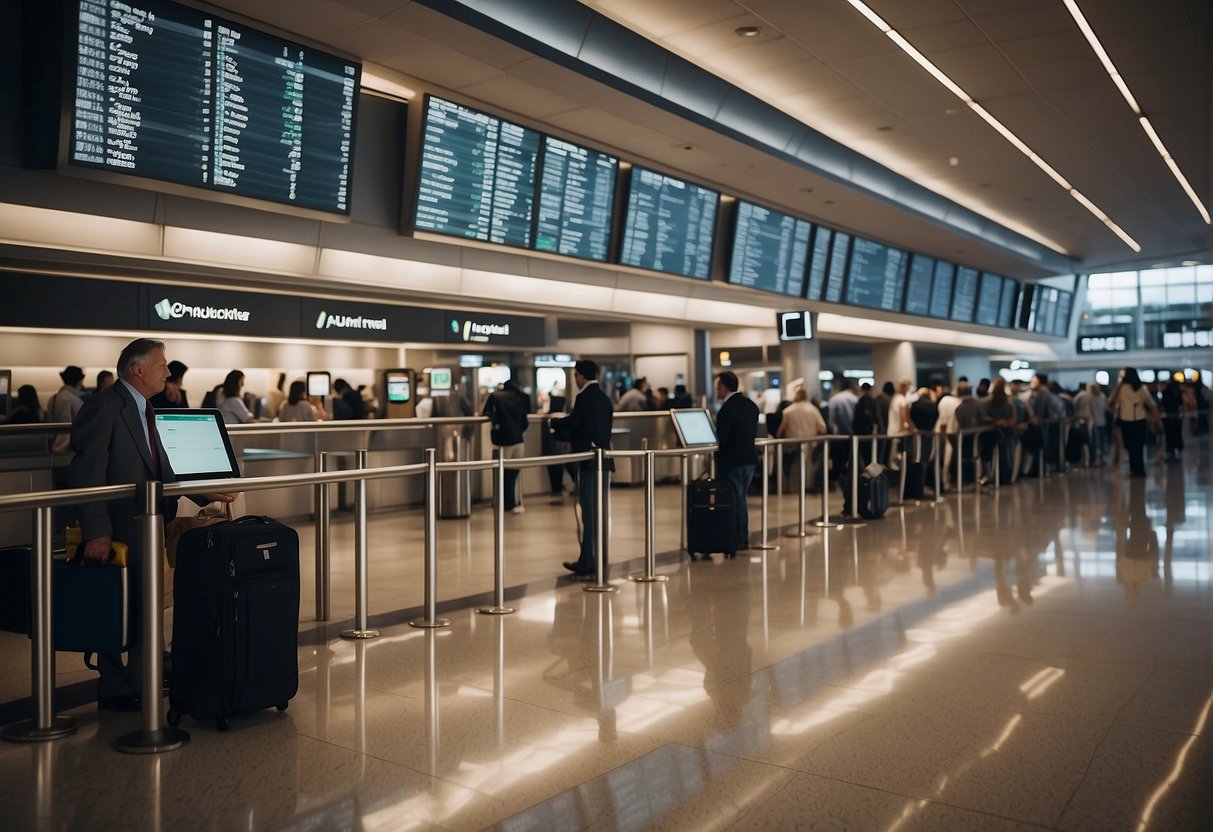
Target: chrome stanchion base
(641, 578)
(357, 634)
(427, 624)
(495, 610)
(822, 523)
(796, 533)
(765, 547)
(599, 588)
(26, 731)
(152, 742)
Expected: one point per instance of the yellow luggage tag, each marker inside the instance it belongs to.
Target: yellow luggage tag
(118, 549)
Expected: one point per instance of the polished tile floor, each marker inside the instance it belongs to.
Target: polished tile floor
(1034, 658)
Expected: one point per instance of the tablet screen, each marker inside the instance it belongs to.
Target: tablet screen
(197, 444)
(694, 427)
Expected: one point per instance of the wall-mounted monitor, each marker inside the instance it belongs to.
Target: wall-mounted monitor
(1008, 307)
(576, 198)
(964, 294)
(164, 93)
(669, 225)
(876, 275)
(795, 326)
(840, 245)
(1061, 321)
(941, 290)
(989, 297)
(440, 379)
(318, 383)
(918, 285)
(769, 250)
(477, 177)
(399, 388)
(819, 259)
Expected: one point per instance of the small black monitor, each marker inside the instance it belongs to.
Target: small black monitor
(197, 444)
(694, 426)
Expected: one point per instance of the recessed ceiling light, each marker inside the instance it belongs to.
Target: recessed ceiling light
(953, 160)
(748, 31)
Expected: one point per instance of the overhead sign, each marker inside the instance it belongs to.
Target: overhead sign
(1104, 342)
(482, 328)
(358, 321)
(48, 301)
(194, 309)
(795, 326)
(1187, 338)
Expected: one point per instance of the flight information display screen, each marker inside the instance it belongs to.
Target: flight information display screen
(769, 250)
(1061, 321)
(941, 290)
(988, 299)
(179, 95)
(817, 262)
(964, 295)
(875, 276)
(1006, 307)
(477, 177)
(838, 267)
(918, 285)
(669, 226)
(576, 196)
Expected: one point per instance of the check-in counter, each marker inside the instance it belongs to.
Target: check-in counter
(26, 465)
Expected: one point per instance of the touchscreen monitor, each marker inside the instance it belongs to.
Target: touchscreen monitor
(440, 379)
(197, 444)
(318, 383)
(398, 388)
(695, 427)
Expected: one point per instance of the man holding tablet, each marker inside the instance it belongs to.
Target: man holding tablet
(115, 440)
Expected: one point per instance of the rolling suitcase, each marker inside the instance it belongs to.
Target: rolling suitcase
(710, 507)
(236, 624)
(873, 496)
(916, 481)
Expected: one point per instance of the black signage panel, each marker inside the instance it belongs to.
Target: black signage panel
(477, 177)
(818, 261)
(918, 284)
(494, 328)
(769, 250)
(576, 197)
(1107, 341)
(838, 267)
(176, 94)
(964, 296)
(670, 225)
(67, 302)
(167, 308)
(354, 321)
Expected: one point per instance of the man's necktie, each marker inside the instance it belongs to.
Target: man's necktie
(150, 415)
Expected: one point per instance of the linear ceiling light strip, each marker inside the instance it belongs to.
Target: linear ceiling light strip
(985, 114)
(1119, 81)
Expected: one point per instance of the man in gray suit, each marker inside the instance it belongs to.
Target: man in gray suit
(115, 441)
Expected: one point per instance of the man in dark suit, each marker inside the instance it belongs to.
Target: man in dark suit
(115, 441)
(586, 428)
(736, 457)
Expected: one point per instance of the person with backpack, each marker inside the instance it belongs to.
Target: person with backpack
(507, 410)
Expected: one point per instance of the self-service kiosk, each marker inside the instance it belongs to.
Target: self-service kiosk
(400, 403)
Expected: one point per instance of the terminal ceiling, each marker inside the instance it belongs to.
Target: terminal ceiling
(822, 63)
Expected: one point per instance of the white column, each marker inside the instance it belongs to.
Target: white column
(801, 359)
(894, 361)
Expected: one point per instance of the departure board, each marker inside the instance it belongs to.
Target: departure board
(477, 177)
(838, 267)
(1061, 322)
(769, 250)
(941, 290)
(669, 226)
(1006, 307)
(818, 261)
(918, 285)
(964, 295)
(179, 95)
(576, 195)
(875, 276)
(988, 299)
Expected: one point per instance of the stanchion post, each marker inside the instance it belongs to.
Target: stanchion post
(997, 463)
(854, 477)
(766, 498)
(361, 579)
(431, 619)
(43, 724)
(600, 526)
(499, 607)
(801, 531)
(650, 524)
(937, 448)
(321, 522)
(153, 737)
(686, 476)
(960, 458)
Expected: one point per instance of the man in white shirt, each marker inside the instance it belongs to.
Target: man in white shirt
(947, 412)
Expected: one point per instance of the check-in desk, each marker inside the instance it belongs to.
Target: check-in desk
(26, 464)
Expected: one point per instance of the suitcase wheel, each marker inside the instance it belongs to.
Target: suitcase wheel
(282, 706)
(172, 718)
(222, 723)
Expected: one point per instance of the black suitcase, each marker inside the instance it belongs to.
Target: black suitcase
(710, 509)
(916, 481)
(1076, 440)
(873, 496)
(236, 620)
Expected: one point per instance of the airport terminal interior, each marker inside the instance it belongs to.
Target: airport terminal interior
(358, 226)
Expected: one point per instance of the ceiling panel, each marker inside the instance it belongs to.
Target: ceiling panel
(981, 71)
(658, 18)
(1025, 23)
(953, 35)
(904, 15)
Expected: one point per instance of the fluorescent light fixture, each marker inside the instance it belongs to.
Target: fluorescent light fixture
(1119, 81)
(1002, 129)
(387, 82)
